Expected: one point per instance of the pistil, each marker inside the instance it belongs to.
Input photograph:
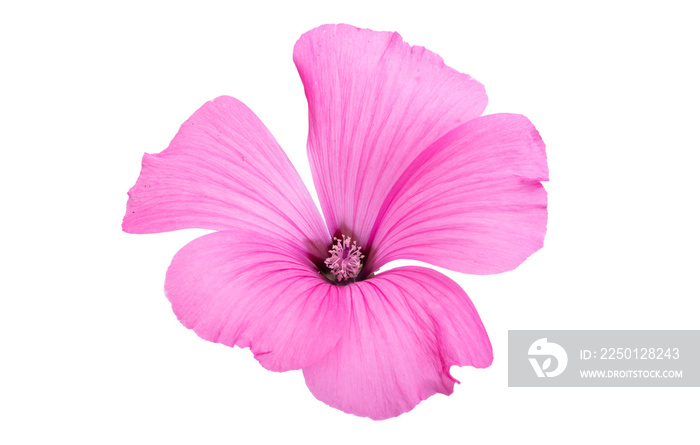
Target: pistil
(345, 260)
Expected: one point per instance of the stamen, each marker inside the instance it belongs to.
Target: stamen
(345, 261)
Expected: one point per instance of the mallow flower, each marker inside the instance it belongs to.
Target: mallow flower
(405, 167)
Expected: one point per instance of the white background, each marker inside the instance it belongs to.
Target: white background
(91, 352)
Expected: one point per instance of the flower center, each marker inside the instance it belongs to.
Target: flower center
(345, 260)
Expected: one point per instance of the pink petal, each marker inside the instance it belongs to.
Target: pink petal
(224, 170)
(251, 290)
(375, 103)
(472, 202)
(407, 327)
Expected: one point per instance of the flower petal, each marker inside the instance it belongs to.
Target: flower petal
(224, 170)
(250, 290)
(375, 103)
(472, 202)
(407, 327)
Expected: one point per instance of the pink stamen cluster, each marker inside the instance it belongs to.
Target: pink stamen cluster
(345, 260)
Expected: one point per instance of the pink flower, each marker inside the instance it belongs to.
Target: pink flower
(405, 168)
